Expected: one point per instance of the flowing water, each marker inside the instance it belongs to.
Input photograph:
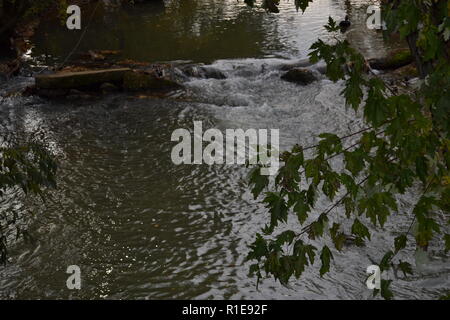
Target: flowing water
(138, 225)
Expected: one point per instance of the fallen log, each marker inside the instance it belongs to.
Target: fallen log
(80, 80)
(395, 60)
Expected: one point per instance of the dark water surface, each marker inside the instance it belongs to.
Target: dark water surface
(202, 31)
(139, 226)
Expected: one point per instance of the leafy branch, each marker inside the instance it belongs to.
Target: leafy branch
(405, 144)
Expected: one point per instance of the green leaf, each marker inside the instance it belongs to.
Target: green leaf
(330, 144)
(286, 237)
(349, 205)
(331, 184)
(354, 161)
(360, 230)
(386, 293)
(301, 208)
(377, 109)
(430, 42)
(317, 227)
(353, 92)
(337, 236)
(334, 230)
(332, 25)
(377, 207)
(422, 168)
(426, 228)
(385, 262)
(325, 257)
(407, 18)
(400, 242)
(258, 248)
(304, 255)
(405, 267)
(312, 169)
(277, 208)
(311, 194)
(258, 181)
(350, 185)
(254, 269)
(310, 252)
(334, 69)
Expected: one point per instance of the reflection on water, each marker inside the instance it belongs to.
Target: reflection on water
(205, 30)
(191, 30)
(141, 227)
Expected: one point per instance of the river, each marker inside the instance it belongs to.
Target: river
(141, 227)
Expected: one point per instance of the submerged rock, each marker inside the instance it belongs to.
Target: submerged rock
(213, 73)
(51, 93)
(395, 60)
(300, 76)
(134, 80)
(203, 72)
(108, 87)
(321, 68)
(77, 95)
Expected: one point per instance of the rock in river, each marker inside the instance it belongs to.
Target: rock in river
(135, 80)
(204, 72)
(300, 76)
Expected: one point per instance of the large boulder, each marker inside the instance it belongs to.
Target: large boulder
(300, 76)
(395, 60)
